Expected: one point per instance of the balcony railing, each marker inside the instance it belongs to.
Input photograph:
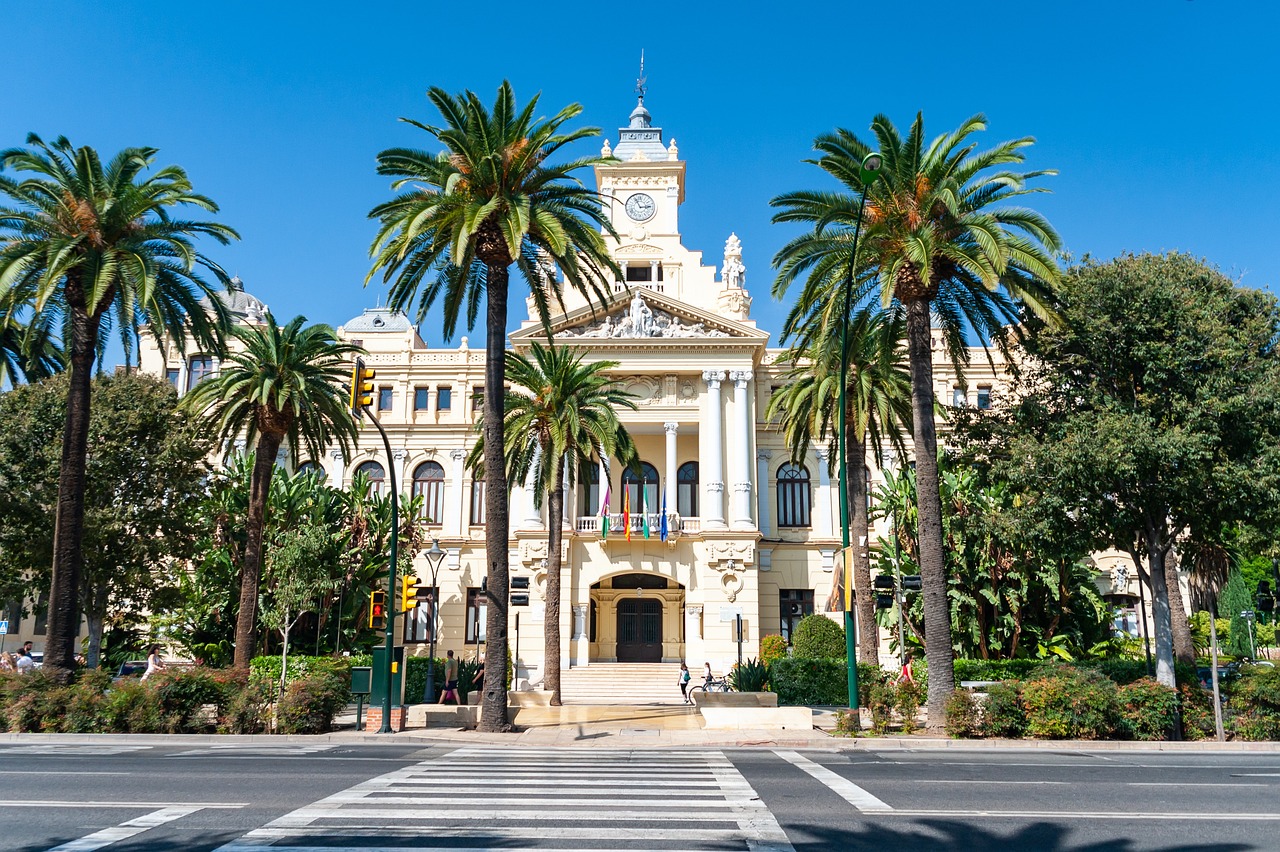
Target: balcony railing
(675, 524)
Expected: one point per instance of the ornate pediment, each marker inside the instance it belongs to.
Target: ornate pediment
(644, 315)
(640, 320)
(640, 248)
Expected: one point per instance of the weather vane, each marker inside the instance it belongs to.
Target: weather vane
(641, 79)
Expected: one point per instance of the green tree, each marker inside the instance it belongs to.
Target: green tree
(28, 351)
(1152, 412)
(491, 198)
(561, 417)
(940, 239)
(879, 413)
(88, 246)
(299, 572)
(1236, 599)
(285, 386)
(144, 479)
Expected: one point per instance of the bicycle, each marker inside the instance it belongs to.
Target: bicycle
(716, 684)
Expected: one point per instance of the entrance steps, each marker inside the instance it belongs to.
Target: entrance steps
(621, 683)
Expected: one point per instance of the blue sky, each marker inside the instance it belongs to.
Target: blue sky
(1161, 117)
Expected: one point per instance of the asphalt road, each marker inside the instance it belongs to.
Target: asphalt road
(160, 797)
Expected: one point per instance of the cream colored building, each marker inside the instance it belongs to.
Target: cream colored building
(748, 532)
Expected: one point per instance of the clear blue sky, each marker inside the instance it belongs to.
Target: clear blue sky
(1162, 117)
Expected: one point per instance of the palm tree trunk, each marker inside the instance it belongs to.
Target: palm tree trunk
(551, 652)
(264, 465)
(493, 709)
(937, 609)
(868, 632)
(68, 528)
(1183, 645)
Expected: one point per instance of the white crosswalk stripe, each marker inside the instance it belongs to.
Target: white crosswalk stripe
(71, 749)
(577, 800)
(253, 751)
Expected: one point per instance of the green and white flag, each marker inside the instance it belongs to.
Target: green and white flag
(644, 508)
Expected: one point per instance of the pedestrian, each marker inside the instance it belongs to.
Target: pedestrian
(450, 679)
(6, 664)
(905, 675)
(154, 663)
(707, 676)
(25, 664)
(684, 682)
(26, 648)
(477, 680)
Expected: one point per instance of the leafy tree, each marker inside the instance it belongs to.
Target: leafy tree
(818, 636)
(1151, 413)
(491, 198)
(879, 412)
(286, 385)
(144, 478)
(89, 247)
(1235, 600)
(940, 240)
(561, 417)
(299, 572)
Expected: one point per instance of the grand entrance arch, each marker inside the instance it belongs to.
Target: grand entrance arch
(637, 618)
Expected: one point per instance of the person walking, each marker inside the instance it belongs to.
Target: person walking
(684, 682)
(154, 663)
(450, 679)
(25, 664)
(707, 676)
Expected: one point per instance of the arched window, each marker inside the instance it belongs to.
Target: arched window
(590, 481)
(377, 476)
(310, 467)
(687, 490)
(428, 483)
(199, 368)
(793, 496)
(646, 479)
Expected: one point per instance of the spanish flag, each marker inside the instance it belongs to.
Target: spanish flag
(626, 512)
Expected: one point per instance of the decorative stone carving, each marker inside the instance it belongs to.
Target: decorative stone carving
(688, 393)
(736, 304)
(693, 609)
(713, 378)
(724, 555)
(740, 377)
(642, 321)
(673, 153)
(733, 274)
(640, 248)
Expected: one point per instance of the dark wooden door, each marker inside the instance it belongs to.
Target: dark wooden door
(639, 630)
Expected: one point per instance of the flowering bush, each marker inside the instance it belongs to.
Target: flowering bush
(1063, 702)
(1149, 709)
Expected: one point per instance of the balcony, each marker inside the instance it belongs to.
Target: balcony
(676, 525)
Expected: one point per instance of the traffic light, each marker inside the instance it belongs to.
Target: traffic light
(884, 581)
(1266, 600)
(409, 593)
(361, 387)
(378, 609)
(912, 583)
(519, 591)
(884, 601)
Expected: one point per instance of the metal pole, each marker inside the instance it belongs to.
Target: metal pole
(897, 590)
(390, 633)
(850, 640)
(429, 690)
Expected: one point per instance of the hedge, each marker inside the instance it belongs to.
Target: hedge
(808, 681)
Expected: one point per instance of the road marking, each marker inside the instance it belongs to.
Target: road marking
(1195, 784)
(838, 784)
(57, 750)
(55, 772)
(49, 803)
(1172, 816)
(978, 781)
(1255, 774)
(124, 830)
(240, 751)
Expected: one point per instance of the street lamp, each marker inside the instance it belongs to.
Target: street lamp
(435, 556)
(870, 169)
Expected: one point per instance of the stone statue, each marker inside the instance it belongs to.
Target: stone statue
(641, 317)
(733, 274)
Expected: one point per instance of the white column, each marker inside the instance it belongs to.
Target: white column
(694, 650)
(713, 464)
(822, 521)
(581, 640)
(431, 401)
(337, 469)
(454, 504)
(397, 459)
(762, 491)
(741, 450)
(671, 429)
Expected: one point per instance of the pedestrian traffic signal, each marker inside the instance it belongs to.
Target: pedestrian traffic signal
(361, 387)
(378, 609)
(409, 593)
(912, 583)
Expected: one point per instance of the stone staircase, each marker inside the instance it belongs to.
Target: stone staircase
(621, 683)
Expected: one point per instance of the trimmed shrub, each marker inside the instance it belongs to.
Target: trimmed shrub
(848, 723)
(880, 702)
(907, 700)
(308, 705)
(1002, 712)
(131, 708)
(751, 676)
(247, 710)
(772, 647)
(1063, 702)
(818, 637)
(1197, 713)
(808, 681)
(964, 717)
(1148, 709)
(869, 675)
(184, 693)
(1255, 704)
(415, 677)
(267, 669)
(994, 669)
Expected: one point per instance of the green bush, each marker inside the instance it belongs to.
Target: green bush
(994, 669)
(809, 681)
(1255, 704)
(818, 637)
(1002, 712)
(848, 723)
(1063, 702)
(1149, 709)
(131, 707)
(772, 647)
(880, 701)
(907, 700)
(184, 693)
(247, 710)
(869, 675)
(267, 669)
(415, 678)
(1197, 713)
(309, 704)
(964, 717)
(751, 676)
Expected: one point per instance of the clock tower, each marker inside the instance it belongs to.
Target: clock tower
(642, 191)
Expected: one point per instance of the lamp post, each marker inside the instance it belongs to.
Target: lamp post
(871, 165)
(435, 556)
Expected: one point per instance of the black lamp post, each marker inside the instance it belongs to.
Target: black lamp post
(435, 556)
(867, 174)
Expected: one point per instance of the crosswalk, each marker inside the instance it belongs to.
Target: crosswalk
(544, 799)
(234, 750)
(70, 749)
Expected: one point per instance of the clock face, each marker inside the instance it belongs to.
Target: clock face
(640, 207)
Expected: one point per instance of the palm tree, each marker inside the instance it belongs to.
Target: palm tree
(939, 241)
(491, 198)
(560, 415)
(285, 386)
(879, 411)
(85, 247)
(28, 351)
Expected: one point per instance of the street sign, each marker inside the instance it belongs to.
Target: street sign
(4, 627)
(730, 613)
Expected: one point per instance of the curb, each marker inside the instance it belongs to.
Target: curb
(938, 743)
